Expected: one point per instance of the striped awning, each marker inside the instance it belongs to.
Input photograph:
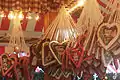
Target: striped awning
(31, 27)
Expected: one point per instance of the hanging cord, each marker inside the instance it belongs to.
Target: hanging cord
(116, 14)
(113, 11)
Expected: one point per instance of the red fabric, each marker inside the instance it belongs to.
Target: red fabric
(2, 49)
(5, 23)
(24, 22)
(39, 24)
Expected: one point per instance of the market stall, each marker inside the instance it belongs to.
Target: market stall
(59, 39)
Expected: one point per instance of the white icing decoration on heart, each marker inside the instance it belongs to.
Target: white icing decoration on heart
(111, 35)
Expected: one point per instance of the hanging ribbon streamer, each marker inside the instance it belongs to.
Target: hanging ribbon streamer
(17, 42)
(62, 28)
(90, 17)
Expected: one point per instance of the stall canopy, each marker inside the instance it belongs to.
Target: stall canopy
(28, 25)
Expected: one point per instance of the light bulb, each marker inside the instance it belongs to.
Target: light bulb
(80, 4)
(37, 17)
(29, 16)
(21, 16)
(2, 14)
(106, 77)
(11, 15)
(17, 48)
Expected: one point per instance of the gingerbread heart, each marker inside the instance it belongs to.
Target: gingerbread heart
(47, 56)
(57, 50)
(76, 55)
(108, 34)
(7, 63)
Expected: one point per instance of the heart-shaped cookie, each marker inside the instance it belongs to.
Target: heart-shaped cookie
(47, 56)
(7, 63)
(57, 50)
(108, 34)
(76, 55)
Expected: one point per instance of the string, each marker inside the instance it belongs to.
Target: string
(114, 8)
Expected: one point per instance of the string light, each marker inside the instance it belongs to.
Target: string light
(21, 16)
(2, 14)
(37, 17)
(11, 15)
(29, 16)
(80, 4)
(16, 14)
(106, 77)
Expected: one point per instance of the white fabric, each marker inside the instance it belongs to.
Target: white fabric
(31, 23)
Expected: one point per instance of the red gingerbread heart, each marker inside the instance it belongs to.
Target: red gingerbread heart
(7, 63)
(57, 50)
(76, 55)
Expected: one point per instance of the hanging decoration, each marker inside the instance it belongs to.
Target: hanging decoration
(111, 35)
(106, 7)
(57, 50)
(62, 28)
(109, 31)
(64, 51)
(17, 42)
(60, 31)
(47, 57)
(89, 18)
(13, 67)
(108, 34)
(76, 55)
(7, 63)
